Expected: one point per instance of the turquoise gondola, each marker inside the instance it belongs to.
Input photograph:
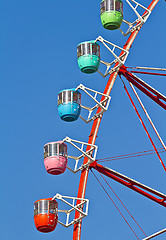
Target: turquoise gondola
(69, 107)
(88, 56)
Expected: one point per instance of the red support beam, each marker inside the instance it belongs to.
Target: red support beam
(148, 192)
(145, 88)
(149, 73)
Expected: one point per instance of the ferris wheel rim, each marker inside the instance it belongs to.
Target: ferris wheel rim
(95, 128)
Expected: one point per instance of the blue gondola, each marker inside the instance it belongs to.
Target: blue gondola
(69, 107)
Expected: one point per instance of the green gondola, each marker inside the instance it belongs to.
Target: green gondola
(88, 56)
(111, 13)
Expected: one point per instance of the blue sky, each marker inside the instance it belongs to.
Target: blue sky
(38, 59)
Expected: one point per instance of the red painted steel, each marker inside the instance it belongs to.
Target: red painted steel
(145, 128)
(132, 184)
(152, 93)
(114, 203)
(95, 128)
(149, 73)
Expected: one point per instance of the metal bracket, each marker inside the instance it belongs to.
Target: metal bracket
(118, 61)
(103, 105)
(139, 21)
(77, 205)
(91, 151)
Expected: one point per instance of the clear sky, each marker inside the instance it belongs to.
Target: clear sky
(38, 59)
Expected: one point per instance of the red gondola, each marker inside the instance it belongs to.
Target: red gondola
(45, 215)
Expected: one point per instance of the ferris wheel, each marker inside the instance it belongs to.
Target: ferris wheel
(83, 155)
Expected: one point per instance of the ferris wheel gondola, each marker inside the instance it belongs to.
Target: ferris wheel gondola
(55, 157)
(111, 13)
(46, 215)
(69, 101)
(88, 56)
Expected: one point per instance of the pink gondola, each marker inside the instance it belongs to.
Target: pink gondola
(55, 157)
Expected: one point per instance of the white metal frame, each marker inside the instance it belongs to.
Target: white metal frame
(120, 60)
(103, 104)
(74, 207)
(139, 21)
(88, 154)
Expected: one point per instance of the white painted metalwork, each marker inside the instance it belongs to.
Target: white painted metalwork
(77, 204)
(103, 105)
(90, 154)
(155, 234)
(120, 60)
(139, 21)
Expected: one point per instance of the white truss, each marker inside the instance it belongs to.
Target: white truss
(90, 154)
(103, 105)
(77, 204)
(118, 61)
(139, 21)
